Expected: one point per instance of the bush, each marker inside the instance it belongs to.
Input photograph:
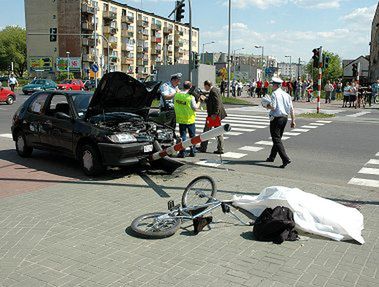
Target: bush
(63, 76)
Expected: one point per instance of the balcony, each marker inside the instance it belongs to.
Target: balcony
(113, 59)
(88, 26)
(110, 30)
(86, 8)
(127, 47)
(142, 36)
(139, 62)
(127, 61)
(180, 33)
(127, 34)
(88, 42)
(146, 49)
(156, 27)
(109, 15)
(88, 58)
(113, 45)
(127, 19)
(142, 23)
(139, 49)
(167, 30)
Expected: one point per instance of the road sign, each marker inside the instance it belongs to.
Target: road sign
(94, 68)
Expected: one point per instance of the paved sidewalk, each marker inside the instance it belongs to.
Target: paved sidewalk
(72, 233)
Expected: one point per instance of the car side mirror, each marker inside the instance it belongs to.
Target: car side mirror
(62, 116)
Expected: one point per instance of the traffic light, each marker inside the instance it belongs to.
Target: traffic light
(136, 70)
(355, 70)
(53, 34)
(179, 14)
(316, 57)
(196, 60)
(326, 62)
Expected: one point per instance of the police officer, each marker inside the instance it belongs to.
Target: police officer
(168, 91)
(185, 106)
(280, 107)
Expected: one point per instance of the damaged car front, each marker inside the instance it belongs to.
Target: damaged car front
(118, 113)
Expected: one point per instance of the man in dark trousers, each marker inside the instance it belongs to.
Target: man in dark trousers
(280, 108)
(215, 108)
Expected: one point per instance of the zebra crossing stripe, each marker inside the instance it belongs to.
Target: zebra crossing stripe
(301, 130)
(241, 125)
(377, 154)
(234, 155)
(364, 182)
(324, 122)
(309, 127)
(369, 170)
(317, 124)
(264, 143)
(8, 136)
(291, 134)
(239, 116)
(258, 122)
(251, 148)
(373, 161)
(232, 133)
(242, 129)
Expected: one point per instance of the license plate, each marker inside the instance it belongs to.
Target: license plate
(148, 148)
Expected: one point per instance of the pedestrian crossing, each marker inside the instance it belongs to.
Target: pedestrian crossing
(368, 175)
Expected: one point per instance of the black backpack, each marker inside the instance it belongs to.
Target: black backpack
(276, 225)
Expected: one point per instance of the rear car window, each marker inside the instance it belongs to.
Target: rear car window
(37, 104)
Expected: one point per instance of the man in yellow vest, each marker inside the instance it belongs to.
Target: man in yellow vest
(185, 107)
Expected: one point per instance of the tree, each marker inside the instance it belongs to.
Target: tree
(13, 49)
(332, 73)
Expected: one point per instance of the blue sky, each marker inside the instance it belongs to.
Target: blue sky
(284, 27)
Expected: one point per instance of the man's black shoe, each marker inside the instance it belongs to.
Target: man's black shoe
(269, 159)
(201, 150)
(218, 152)
(181, 155)
(285, 164)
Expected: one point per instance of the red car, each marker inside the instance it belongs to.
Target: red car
(75, 85)
(7, 96)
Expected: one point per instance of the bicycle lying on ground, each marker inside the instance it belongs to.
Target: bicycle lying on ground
(198, 200)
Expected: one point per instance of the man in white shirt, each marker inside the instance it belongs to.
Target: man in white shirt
(280, 108)
(328, 92)
(12, 82)
(166, 103)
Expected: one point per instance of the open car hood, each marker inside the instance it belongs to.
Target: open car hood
(119, 92)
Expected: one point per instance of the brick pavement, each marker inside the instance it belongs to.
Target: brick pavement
(73, 234)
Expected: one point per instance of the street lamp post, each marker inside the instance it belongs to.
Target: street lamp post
(290, 66)
(262, 55)
(203, 56)
(229, 32)
(68, 64)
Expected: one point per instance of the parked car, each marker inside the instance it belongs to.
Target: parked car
(107, 128)
(39, 85)
(4, 79)
(89, 85)
(74, 85)
(7, 96)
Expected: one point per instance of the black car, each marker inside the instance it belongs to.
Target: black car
(108, 128)
(89, 85)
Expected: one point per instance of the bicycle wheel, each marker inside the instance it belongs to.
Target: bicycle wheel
(191, 195)
(155, 225)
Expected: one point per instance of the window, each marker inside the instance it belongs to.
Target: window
(123, 12)
(58, 103)
(37, 105)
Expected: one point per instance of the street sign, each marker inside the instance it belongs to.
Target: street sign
(94, 68)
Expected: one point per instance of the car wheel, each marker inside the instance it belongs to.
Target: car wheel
(70, 89)
(10, 100)
(91, 161)
(22, 148)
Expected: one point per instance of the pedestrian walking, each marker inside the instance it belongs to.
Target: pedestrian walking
(166, 104)
(12, 82)
(185, 106)
(223, 87)
(367, 96)
(334, 91)
(239, 88)
(328, 92)
(215, 110)
(258, 90)
(339, 90)
(346, 95)
(252, 87)
(280, 108)
(234, 87)
(353, 96)
(375, 91)
(266, 84)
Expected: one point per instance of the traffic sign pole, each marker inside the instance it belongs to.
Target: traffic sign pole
(319, 82)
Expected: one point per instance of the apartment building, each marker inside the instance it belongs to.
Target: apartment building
(374, 48)
(127, 39)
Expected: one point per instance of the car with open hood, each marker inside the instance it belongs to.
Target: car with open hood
(107, 128)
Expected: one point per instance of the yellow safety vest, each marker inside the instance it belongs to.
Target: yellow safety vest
(183, 111)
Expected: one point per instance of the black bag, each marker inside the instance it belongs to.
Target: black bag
(276, 225)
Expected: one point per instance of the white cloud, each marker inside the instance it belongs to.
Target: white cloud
(264, 4)
(365, 14)
(320, 4)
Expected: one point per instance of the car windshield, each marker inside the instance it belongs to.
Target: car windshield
(81, 102)
(66, 82)
(38, 82)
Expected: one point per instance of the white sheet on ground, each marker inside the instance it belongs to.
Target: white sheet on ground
(312, 213)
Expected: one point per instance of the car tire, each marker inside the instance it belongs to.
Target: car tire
(22, 148)
(70, 89)
(90, 160)
(10, 100)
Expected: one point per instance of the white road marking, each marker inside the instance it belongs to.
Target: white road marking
(264, 143)
(240, 116)
(232, 133)
(240, 125)
(364, 182)
(234, 155)
(377, 154)
(242, 130)
(291, 134)
(251, 148)
(235, 119)
(300, 130)
(373, 161)
(317, 124)
(225, 138)
(283, 138)
(358, 114)
(368, 170)
(212, 163)
(309, 127)
(8, 136)
(324, 122)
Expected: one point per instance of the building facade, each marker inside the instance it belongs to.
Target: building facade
(374, 48)
(115, 36)
(291, 71)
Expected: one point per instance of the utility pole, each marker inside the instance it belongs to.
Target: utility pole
(229, 34)
(298, 68)
(319, 81)
(190, 41)
(95, 37)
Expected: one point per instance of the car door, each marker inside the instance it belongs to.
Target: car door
(58, 130)
(33, 120)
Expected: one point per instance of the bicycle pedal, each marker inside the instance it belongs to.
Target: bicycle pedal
(170, 204)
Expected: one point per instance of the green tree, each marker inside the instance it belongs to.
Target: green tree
(332, 73)
(13, 49)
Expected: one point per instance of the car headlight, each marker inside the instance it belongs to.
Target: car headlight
(37, 88)
(122, 138)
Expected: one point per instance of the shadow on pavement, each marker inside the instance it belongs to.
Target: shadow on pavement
(252, 162)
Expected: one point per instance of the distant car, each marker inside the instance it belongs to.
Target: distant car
(108, 128)
(89, 85)
(39, 85)
(4, 79)
(7, 96)
(74, 85)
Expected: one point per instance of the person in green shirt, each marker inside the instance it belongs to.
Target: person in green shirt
(185, 107)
